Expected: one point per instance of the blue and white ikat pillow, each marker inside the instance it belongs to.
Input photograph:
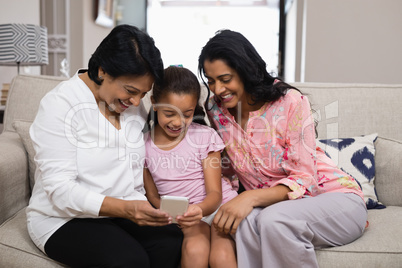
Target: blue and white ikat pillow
(355, 156)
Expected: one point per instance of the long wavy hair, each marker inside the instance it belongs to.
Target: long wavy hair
(239, 54)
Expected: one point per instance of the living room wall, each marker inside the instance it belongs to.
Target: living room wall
(328, 40)
(84, 33)
(344, 41)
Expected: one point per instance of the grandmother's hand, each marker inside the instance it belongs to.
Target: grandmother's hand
(143, 213)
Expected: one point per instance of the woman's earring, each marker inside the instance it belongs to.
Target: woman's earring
(100, 77)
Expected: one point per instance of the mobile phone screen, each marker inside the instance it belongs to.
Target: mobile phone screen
(174, 205)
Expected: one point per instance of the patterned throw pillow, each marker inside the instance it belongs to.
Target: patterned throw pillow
(355, 156)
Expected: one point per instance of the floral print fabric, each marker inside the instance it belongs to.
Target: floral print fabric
(278, 147)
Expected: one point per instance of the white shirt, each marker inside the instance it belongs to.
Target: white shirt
(81, 158)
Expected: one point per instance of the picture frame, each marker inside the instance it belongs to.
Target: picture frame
(104, 13)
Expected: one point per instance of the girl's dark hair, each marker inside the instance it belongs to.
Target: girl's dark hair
(239, 54)
(126, 50)
(178, 80)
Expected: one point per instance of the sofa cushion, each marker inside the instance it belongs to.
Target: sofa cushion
(378, 247)
(17, 248)
(22, 128)
(14, 183)
(388, 178)
(355, 156)
(24, 97)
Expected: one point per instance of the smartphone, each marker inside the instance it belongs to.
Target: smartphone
(174, 205)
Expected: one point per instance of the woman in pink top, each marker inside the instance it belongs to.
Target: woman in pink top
(296, 199)
(183, 159)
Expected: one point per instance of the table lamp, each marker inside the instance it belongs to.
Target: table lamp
(23, 44)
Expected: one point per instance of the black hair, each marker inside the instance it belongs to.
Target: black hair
(126, 50)
(178, 80)
(239, 54)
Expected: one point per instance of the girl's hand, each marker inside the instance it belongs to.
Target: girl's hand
(142, 213)
(230, 214)
(192, 216)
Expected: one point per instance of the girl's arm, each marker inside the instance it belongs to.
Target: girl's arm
(213, 183)
(213, 187)
(151, 192)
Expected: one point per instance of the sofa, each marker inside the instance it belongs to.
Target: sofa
(342, 110)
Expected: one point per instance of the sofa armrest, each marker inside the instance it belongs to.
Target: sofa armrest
(388, 174)
(14, 182)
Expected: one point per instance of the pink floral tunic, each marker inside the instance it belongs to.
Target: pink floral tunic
(278, 147)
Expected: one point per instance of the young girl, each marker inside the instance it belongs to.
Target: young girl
(295, 201)
(183, 159)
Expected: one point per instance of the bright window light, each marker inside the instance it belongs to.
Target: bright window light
(181, 30)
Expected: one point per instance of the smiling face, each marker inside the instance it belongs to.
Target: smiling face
(225, 83)
(121, 92)
(175, 113)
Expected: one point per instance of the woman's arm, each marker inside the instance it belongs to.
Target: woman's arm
(213, 187)
(229, 216)
(56, 141)
(299, 158)
(139, 211)
(151, 192)
(298, 162)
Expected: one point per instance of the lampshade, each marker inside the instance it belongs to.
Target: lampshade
(23, 44)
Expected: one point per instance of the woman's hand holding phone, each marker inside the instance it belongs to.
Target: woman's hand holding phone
(142, 213)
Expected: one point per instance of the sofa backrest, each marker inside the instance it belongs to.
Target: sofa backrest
(24, 97)
(347, 110)
(350, 110)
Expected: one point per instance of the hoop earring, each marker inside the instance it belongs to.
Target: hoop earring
(100, 77)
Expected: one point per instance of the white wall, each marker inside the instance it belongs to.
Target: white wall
(348, 41)
(342, 41)
(85, 34)
(11, 12)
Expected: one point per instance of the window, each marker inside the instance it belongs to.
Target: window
(181, 28)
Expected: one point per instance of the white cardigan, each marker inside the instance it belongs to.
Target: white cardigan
(81, 158)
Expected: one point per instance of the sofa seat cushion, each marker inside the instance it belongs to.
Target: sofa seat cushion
(380, 239)
(17, 248)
